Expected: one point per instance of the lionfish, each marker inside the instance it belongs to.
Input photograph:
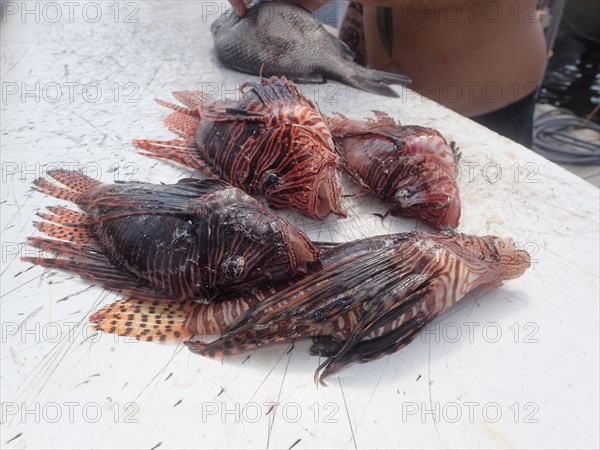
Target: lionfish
(411, 166)
(188, 240)
(272, 142)
(370, 299)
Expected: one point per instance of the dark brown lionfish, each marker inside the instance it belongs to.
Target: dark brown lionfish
(413, 167)
(188, 240)
(272, 142)
(370, 299)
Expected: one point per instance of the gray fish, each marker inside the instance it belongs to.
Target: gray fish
(283, 39)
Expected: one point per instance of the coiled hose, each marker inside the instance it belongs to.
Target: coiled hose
(551, 138)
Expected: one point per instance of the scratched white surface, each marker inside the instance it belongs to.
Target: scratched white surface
(459, 385)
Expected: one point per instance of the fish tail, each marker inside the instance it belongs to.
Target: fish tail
(74, 184)
(376, 81)
(365, 84)
(146, 320)
(387, 77)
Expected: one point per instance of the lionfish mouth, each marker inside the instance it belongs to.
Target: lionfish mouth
(328, 194)
(514, 261)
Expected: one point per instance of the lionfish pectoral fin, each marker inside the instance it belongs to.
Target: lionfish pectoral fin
(371, 349)
(380, 313)
(145, 319)
(84, 260)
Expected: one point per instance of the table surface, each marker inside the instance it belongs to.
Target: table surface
(514, 367)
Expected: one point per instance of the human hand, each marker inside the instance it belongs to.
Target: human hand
(240, 6)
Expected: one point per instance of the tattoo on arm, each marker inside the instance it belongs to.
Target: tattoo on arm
(352, 32)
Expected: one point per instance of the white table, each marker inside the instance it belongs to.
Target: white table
(515, 367)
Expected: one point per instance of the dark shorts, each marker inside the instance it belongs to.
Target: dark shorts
(514, 121)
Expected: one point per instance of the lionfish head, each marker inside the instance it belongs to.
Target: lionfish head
(438, 206)
(501, 256)
(310, 183)
(505, 255)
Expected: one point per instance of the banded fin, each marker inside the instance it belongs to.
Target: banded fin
(74, 184)
(146, 320)
(185, 198)
(78, 234)
(64, 216)
(371, 349)
(89, 262)
(178, 150)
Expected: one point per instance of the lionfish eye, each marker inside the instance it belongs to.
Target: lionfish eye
(272, 180)
(234, 268)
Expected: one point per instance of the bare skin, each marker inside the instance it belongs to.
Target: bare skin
(473, 56)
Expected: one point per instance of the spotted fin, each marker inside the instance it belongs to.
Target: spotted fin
(74, 184)
(146, 320)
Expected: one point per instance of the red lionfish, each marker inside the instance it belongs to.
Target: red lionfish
(370, 299)
(413, 167)
(272, 142)
(187, 240)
